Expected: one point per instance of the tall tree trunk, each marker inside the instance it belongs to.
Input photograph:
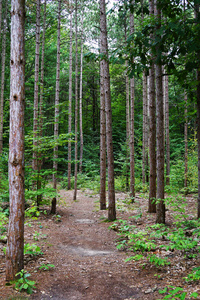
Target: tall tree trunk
(55, 155)
(0, 16)
(132, 151)
(167, 130)
(145, 131)
(186, 140)
(80, 102)
(36, 87)
(197, 16)
(39, 182)
(152, 129)
(70, 105)
(127, 129)
(3, 60)
(102, 137)
(127, 115)
(160, 218)
(106, 74)
(15, 245)
(76, 108)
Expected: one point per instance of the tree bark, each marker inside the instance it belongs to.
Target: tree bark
(145, 131)
(3, 60)
(167, 130)
(160, 217)
(186, 141)
(110, 156)
(70, 105)
(152, 129)
(39, 182)
(102, 137)
(76, 108)
(36, 87)
(197, 17)
(132, 151)
(55, 155)
(15, 245)
(80, 101)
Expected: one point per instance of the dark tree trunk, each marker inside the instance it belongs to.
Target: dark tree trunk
(167, 130)
(102, 138)
(186, 140)
(160, 218)
(152, 130)
(55, 155)
(110, 156)
(15, 245)
(132, 100)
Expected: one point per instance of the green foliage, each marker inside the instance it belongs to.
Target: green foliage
(46, 267)
(32, 212)
(32, 249)
(194, 276)
(23, 283)
(176, 293)
(157, 261)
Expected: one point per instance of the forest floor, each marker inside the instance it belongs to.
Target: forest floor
(88, 266)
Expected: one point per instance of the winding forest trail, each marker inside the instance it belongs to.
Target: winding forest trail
(87, 264)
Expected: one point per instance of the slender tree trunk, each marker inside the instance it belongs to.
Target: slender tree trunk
(36, 87)
(3, 60)
(167, 130)
(127, 130)
(106, 74)
(102, 138)
(132, 151)
(15, 245)
(55, 155)
(0, 16)
(145, 124)
(186, 140)
(80, 102)
(197, 16)
(76, 109)
(152, 129)
(39, 182)
(160, 131)
(70, 105)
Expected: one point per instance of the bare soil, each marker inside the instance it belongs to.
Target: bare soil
(87, 264)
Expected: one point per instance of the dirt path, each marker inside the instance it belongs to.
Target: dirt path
(87, 264)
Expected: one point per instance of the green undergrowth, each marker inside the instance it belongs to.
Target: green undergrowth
(158, 244)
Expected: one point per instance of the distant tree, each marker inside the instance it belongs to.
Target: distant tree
(106, 75)
(145, 132)
(15, 244)
(39, 182)
(3, 60)
(70, 103)
(76, 106)
(56, 121)
(36, 92)
(132, 96)
(80, 100)
(186, 140)
(167, 130)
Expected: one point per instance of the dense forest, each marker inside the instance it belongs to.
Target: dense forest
(103, 96)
